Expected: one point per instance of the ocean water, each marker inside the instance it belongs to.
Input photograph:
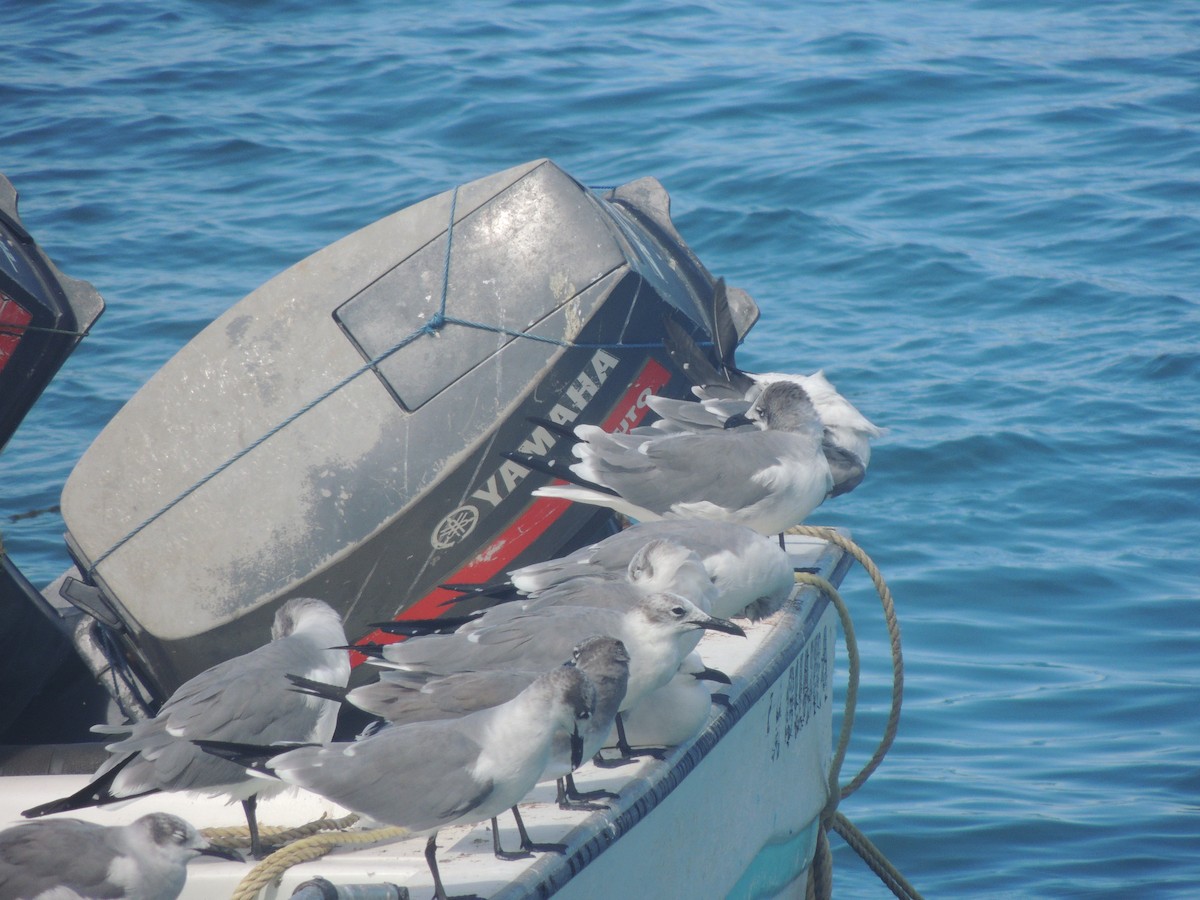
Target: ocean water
(982, 220)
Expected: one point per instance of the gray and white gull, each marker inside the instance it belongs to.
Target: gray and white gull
(246, 698)
(69, 859)
(401, 697)
(424, 776)
(768, 478)
(724, 389)
(658, 632)
(752, 574)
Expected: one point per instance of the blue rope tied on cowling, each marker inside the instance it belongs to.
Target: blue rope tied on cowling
(437, 321)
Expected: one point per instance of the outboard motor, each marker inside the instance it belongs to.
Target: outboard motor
(43, 316)
(339, 433)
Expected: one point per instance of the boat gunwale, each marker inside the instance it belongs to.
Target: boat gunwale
(590, 838)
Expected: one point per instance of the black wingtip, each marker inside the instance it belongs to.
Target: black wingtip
(555, 469)
(54, 806)
(321, 689)
(249, 756)
(482, 589)
(375, 651)
(95, 793)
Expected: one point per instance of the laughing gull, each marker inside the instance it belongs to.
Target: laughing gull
(424, 776)
(768, 479)
(841, 443)
(752, 574)
(657, 566)
(69, 859)
(247, 698)
(847, 432)
(658, 633)
(402, 697)
(673, 714)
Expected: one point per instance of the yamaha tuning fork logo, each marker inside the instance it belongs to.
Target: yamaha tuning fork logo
(454, 527)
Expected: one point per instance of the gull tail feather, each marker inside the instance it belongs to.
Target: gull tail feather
(250, 756)
(321, 689)
(95, 793)
(555, 469)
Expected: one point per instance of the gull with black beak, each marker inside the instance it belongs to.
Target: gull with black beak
(658, 632)
(247, 698)
(751, 573)
(424, 776)
(69, 859)
(400, 697)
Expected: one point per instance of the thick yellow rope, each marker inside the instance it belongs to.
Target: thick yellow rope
(306, 849)
(893, 626)
(820, 876)
(237, 837)
(839, 755)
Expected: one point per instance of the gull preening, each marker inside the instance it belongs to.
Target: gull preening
(246, 698)
(722, 389)
(768, 478)
(658, 566)
(69, 859)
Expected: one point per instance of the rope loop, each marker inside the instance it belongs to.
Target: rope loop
(820, 880)
(306, 849)
(237, 837)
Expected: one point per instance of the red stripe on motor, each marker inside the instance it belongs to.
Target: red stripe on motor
(532, 524)
(13, 319)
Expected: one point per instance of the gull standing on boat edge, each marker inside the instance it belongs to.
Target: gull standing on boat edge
(246, 698)
(752, 574)
(658, 634)
(767, 478)
(424, 776)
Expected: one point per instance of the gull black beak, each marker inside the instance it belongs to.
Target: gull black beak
(707, 674)
(576, 750)
(222, 853)
(714, 624)
(738, 421)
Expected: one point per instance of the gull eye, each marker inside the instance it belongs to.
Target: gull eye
(584, 715)
(678, 611)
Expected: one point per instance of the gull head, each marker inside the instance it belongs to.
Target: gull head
(676, 613)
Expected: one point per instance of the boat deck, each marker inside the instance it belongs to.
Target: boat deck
(757, 771)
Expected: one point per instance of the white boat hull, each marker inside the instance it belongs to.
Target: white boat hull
(750, 786)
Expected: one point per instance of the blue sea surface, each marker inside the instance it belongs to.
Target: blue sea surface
(982, 220)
